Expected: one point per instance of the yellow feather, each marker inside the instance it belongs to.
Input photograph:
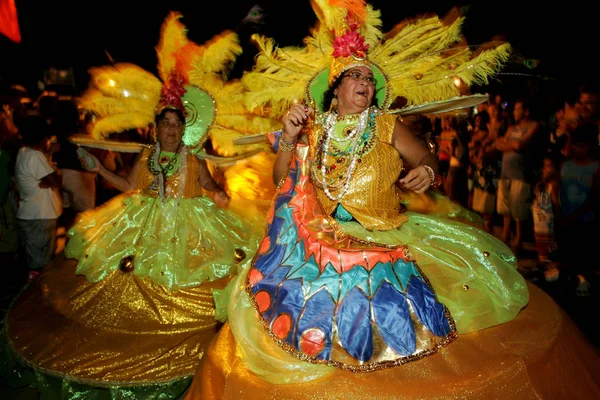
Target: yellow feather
(93, 100)
(280, 76)
(173, 37)
(220, 52)
(332, 17)
(107, 126)
(372, 27)
(126, 81)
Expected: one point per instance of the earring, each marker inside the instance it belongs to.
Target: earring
(333, 104)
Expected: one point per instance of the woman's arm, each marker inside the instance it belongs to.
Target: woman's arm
(284, 158)
(294, 120)
(122, 183)
(423, 163)
(207, 182)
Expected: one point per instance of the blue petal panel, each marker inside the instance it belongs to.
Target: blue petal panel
(392, 317)
(318, 313)
(270, 284)
(427, 308)
(268, 262)
(289, 300)
(354, 325)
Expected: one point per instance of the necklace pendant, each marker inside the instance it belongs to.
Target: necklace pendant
(164, 160)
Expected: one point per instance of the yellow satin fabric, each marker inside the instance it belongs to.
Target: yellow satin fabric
(373, 198)
(122, 330)
(539, 354)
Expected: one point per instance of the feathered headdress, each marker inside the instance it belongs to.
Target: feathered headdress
(125, 96)
(418, 60)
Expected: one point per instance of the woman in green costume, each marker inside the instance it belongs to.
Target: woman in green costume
(128, 309)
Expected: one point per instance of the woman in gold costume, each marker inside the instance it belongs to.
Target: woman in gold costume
(128, 310)
(351, 296)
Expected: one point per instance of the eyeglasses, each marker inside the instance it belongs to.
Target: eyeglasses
(166, 124)
(358, 76)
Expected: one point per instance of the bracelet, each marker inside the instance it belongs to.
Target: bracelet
(285, 146)
(431, 174)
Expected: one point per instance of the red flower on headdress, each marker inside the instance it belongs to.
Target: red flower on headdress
(172, 92)
(349, 44)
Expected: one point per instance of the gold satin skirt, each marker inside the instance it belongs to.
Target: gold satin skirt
(538, 355)
(120, 331)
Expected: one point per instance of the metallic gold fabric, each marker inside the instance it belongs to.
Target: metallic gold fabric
(373, 197)
(121, 330)
(145, 177)
(539, 354)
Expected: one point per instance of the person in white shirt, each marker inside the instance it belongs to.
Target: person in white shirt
(40, 204)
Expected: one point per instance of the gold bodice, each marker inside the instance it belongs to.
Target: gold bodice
(192, 186)
(372, 197)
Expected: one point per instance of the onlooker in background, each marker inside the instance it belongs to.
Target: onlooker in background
(9, 145)
(514, 187)
(40, 204)
(579, 198)
(79, 185)
(546, 214)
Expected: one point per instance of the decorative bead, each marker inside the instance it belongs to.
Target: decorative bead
(126, 264)
(240, 255)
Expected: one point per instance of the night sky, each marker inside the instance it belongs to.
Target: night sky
(78, 34)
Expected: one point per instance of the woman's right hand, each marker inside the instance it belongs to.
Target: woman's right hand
(88, 160)
(294, 120)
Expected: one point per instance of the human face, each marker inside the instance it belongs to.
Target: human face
(548, 170)
(580, 151)
(169, 131)
(588, 105)
(519, 112)
(356, 90)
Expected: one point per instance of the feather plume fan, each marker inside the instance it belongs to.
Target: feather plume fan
(420, 58)
(124, 96)
(281, 75)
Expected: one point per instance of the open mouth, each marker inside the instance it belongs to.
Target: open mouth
(362, 92)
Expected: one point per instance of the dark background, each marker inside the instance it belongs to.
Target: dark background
(553, 45)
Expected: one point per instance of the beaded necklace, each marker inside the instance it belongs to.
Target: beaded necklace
(338, 152)
(165, 166)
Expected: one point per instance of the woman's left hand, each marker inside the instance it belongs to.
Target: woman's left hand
(417, 180)
(221, 199)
